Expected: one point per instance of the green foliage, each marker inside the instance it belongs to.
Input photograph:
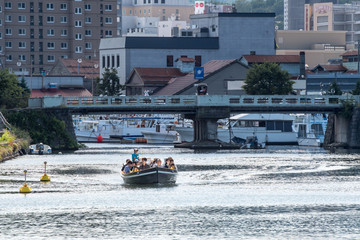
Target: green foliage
(11, 94)
(43, 126)
(334, 89)
(356, 91)
(109, 84)
(7, 137)
(275, 6)
(268, 79)
(348, 108)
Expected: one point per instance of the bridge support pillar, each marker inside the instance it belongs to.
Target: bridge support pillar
(205, 129)
(342, 134)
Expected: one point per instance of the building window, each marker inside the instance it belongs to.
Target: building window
(22, 31)
(108, 61)
(78, 36)
(197, 61)
(63, 19)
(163, 18)
(162, 1)
(0, 35)
(103, 61)
(21, 5)
(8, 5)
(78, 49)
(169, 60)
(63, 6)
(108, 7)
(88, 33)
(50, 19)
(22, 44)
(88, 45)
(87, 20)
(22, 57)
(144, 1)
(9, 58)
(87, 7)
(64, 32)
(117, 60)
(130, 12)
(50, 6)
(156, 1)
(51, 32)
(108, 33)
(8, 31)
(108, 20)
(8, 44)
(78, 11)
(64, 45)
(163, 11)
(78, 23)
(51, 45)
(22, 18)
(8, 18)
(51, 58)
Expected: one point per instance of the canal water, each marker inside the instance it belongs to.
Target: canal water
(273, 193)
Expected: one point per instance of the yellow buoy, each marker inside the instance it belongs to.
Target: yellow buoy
(45, 178)
(25, 188)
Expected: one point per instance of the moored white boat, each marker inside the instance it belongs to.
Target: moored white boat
(40, 149)
(268, 128)
(310, 129)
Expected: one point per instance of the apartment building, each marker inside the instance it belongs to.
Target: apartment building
(294, 12)
(35, 33)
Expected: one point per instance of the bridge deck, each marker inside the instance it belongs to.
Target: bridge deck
(189, 103)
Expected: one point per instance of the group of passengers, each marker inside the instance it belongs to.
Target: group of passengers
(136, 165)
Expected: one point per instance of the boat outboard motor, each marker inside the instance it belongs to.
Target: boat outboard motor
(201, 89)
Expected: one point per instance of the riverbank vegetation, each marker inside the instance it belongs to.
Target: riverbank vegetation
(11, 144)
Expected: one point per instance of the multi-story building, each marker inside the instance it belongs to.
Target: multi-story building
(334, 17)
(215, 36)
(35, 33)
(142, 16)
(294, 12)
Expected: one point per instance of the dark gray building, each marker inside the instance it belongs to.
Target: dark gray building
(294, 12)
(320, 83)
(216, 36)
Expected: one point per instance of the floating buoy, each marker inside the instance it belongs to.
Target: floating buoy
(60, 152)
(25, 188)
(45, 178)
(99, 138)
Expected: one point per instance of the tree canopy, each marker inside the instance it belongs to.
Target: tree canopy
(109, 84)
(268, 79)
(12, 93)
(334, 89)
(356, 91)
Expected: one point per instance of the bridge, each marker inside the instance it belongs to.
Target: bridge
(189, 104)
(206, 110)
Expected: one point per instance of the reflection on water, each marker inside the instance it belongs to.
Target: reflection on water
(274, 193)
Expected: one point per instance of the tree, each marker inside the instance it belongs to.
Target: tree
(356, 91)
(268, 79)
(109, 84)
(334, 89)
(11, 94)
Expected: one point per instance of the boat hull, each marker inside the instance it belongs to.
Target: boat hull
(160, 137)
(151, 176)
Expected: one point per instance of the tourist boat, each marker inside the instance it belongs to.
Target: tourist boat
(150, 176)
(310, 129)
(40, 149)
(269, 129)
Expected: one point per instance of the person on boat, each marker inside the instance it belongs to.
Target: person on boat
(153, 162)
(144, 164)
(167, 163)
(172, 164)
(41, 148)
(128, 167)
(123, 167)
(158, 163)
(135, 155)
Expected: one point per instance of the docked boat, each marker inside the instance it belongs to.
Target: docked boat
(150, 176)
(163, 134)
(310, 129)
(40, 149)
(267, 128)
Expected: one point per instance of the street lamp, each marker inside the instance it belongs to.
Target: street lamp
(96, 66)
(79, 61)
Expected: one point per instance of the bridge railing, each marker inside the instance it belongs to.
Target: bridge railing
(196, 101)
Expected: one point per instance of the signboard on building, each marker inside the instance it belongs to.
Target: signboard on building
(199, 7)
(199, 73)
